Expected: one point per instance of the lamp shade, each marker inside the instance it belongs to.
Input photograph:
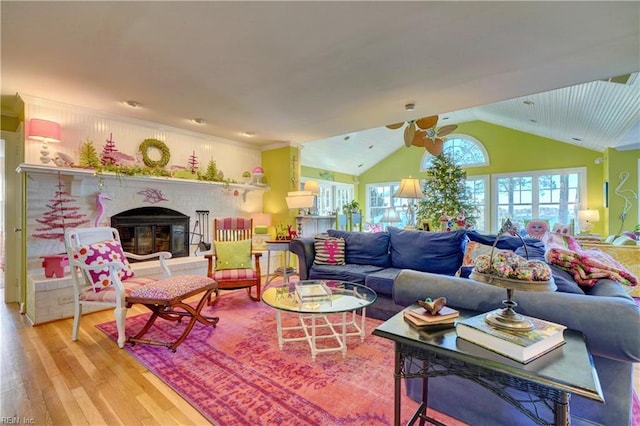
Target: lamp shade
(299, 199)
(390, 215)
(261, 219)
(589, 215)
(312, 186)
(409, 188)
(44, 130)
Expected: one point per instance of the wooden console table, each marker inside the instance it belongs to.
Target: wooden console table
(552, 378)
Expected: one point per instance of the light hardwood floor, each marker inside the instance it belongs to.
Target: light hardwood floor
(48, 379)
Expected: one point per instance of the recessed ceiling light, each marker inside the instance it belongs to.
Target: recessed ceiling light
(199, 121)
(132, 104)
(248, 134)
(409, 107)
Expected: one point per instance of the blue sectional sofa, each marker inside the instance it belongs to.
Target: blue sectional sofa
(376, 259)
(405, 266)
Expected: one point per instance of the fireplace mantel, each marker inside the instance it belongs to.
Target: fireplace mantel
(82, 176)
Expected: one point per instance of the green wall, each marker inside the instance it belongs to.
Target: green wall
(512, 151)
(279, 170)
(616, 163)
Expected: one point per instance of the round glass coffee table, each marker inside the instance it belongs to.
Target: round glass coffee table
(326, 309)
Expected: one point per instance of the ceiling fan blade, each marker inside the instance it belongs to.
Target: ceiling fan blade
(419, 138)
(394, 125)
(409, 134)
(445, 130)
(435, 148)
(427, 122)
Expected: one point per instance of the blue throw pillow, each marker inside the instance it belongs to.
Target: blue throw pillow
(364, 248)
(436, 252)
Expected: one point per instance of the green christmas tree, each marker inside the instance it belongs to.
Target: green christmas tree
(446, 194)
(89, 155)
(212, 173)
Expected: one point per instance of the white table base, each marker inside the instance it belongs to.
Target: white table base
(309, 325)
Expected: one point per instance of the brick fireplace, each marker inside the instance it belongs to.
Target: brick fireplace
(146, 230)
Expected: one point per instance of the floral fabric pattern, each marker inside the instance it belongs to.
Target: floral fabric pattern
(100, 253)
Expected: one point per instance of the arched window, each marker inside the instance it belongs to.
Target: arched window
(465, 150)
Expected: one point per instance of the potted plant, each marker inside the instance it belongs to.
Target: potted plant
(352, 207)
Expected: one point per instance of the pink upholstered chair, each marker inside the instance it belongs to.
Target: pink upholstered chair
(102, 277)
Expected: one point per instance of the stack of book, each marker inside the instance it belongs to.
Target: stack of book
(420, 318)
(313, 294)
(522, 346)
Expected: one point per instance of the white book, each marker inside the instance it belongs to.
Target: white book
(522, 346)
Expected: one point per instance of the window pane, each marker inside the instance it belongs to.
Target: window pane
(551, 196)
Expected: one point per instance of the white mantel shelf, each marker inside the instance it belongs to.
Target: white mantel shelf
(80, 175)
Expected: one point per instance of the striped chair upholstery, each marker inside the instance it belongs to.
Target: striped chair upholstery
(235, 229)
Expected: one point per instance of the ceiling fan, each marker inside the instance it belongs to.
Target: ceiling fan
(423, 133)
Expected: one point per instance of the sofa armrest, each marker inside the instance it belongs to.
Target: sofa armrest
(610, 324)
(305, 249)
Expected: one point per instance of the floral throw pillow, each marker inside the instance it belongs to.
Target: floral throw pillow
(475, 250)
(100, 253)
(329, 251)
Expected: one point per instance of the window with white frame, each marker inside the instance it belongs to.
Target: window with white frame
(379, 198)
(478, 187)
(551, 195)
(332, 196)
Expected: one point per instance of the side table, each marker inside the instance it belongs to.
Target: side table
(284, 271)
(550, 380)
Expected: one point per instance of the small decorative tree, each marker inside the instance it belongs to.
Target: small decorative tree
(108, 150)
(193, 162)
(62, 214)
(446, 194)
(89, 155)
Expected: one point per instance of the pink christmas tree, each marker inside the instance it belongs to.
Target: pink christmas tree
(108, 151)
(193, 162)
(62, 214)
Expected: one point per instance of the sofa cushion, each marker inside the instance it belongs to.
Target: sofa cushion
(506, 242)
(349, 272)
(364, 248)
(382, 281)
(437, 252)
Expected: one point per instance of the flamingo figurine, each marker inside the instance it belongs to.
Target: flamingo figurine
(100, 199)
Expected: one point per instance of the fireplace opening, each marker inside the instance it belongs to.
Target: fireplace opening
(146, 230)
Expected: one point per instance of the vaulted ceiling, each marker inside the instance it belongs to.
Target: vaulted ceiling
(301, 72)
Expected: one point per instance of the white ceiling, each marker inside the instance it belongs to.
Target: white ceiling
(298, 72)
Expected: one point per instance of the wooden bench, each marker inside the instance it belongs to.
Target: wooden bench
(165, 299)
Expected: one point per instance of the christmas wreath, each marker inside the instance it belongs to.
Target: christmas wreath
(160, 146)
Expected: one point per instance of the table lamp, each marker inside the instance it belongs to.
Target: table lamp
(390, 216)
(45, 131)
(299, 200)
(261, 224)
(410, 189)
(587, 219)
(313, 187)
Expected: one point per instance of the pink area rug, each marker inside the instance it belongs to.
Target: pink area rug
(236, 374)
